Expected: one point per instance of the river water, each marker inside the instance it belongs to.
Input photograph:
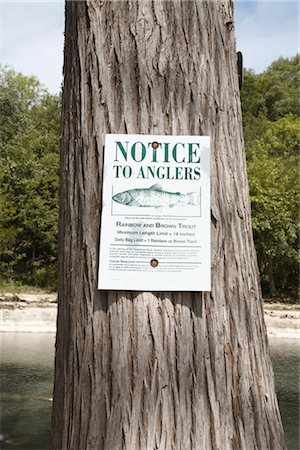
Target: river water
(27, 380)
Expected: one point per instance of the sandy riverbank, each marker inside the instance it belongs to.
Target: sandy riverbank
(32, 312)
(282, 320)
(36, 312)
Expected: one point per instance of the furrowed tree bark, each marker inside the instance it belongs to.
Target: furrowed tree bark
(159, 370)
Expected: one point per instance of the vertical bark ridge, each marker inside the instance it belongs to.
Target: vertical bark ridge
(157, 370)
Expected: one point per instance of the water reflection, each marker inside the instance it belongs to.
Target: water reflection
(26, 390)
(286, 359)
(27, 379)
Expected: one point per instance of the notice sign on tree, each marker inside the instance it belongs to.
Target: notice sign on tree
(155, 227)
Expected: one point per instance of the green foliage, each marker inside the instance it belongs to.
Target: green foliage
(29, 130)
(271, 128)
(18, 94)
(273, 180)
(281, 87)
(275, 92)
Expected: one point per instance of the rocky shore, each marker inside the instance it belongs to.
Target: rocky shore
(36, 312)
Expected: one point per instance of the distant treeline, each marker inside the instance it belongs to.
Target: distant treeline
(29, 168)
(29, 176)
(270, 105)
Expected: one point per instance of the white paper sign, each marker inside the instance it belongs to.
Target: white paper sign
(155, 227)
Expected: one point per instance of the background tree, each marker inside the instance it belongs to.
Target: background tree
(274, 92)
(145, 370)
(272, 125)
(29, 130)
(281, 86)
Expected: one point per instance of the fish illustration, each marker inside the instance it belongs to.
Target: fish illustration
(156, 197)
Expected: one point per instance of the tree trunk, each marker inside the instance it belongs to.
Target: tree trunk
(157, 370)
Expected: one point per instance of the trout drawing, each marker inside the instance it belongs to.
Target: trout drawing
(156, 197)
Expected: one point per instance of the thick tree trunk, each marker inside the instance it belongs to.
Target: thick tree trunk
(157, 370)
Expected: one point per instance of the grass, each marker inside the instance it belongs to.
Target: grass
(283, 300)
(16, 287)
